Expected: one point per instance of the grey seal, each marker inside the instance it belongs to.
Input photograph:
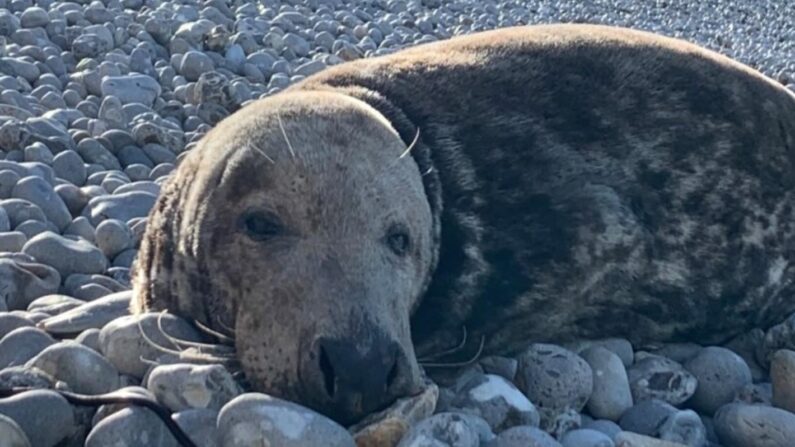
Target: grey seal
(544, 183)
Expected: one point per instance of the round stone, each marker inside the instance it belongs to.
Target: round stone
(742, 425)
(82, 368)
(720, 374)
(782, 376)
(554, 379)
(611, 395)
(251, 417)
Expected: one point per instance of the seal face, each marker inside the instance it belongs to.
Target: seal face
(304, 225)
(540, 183)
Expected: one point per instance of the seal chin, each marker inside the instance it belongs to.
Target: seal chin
(346, 382)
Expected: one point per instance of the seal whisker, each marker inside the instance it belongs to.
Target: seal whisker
(468, 362)
(152, 343)
(259, 150)
(412, 145)
(284, 134)
(165, 334)
(222, 338)
(452, 350)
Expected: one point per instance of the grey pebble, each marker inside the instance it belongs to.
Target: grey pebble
(684, 427)
(39, 192)
(609, 428)
(12, 241)
(119, 206)
(95, 314)
(655, 377)
(112, 237)
(44, 416)
(554, 379)
(24, 281)
(742, 425)
(89, 338)
(66, 254)
(82, 368)
(132, 88)
(496, 400)
(584, 437)
(20, 210)
(611, 395)
(782, 376)
(75, 198)
(251, 417)
(54, 304)
(646, 417)
(136, 426)
(720, 374)
(184, 386)
(199, 425)
(524, 437)
(10, 322)
(11, 434)
(21, 345)
(619, 346)
(82, 228)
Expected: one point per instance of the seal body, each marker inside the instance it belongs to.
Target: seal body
(553, 183)
(594, 182)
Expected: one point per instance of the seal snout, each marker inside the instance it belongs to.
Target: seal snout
(355, 382)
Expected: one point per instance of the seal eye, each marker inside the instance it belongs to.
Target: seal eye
(261, 226)
(398, 240)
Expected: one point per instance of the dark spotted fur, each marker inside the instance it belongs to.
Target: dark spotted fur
(592, 182)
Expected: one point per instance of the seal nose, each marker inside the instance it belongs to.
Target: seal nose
(358, 383)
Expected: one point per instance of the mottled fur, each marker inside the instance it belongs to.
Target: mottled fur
(581, 181)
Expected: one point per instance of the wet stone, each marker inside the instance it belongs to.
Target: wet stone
(44, 416)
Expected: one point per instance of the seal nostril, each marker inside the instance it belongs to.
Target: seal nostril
(328, 372)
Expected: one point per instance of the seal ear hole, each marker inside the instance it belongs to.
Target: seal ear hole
(261, 225)
(398, 239)
(328, 372)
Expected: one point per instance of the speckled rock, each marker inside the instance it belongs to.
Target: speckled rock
(496, 400)
(251, 417)
(782, 376)
(184, 386)
(554, 379)
(629, 439)
(448, 428)
(657, 377)
(720, 374)
(742, 425)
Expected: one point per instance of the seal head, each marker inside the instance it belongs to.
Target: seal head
(303, 225)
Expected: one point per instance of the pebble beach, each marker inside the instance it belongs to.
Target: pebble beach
(99, 102)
